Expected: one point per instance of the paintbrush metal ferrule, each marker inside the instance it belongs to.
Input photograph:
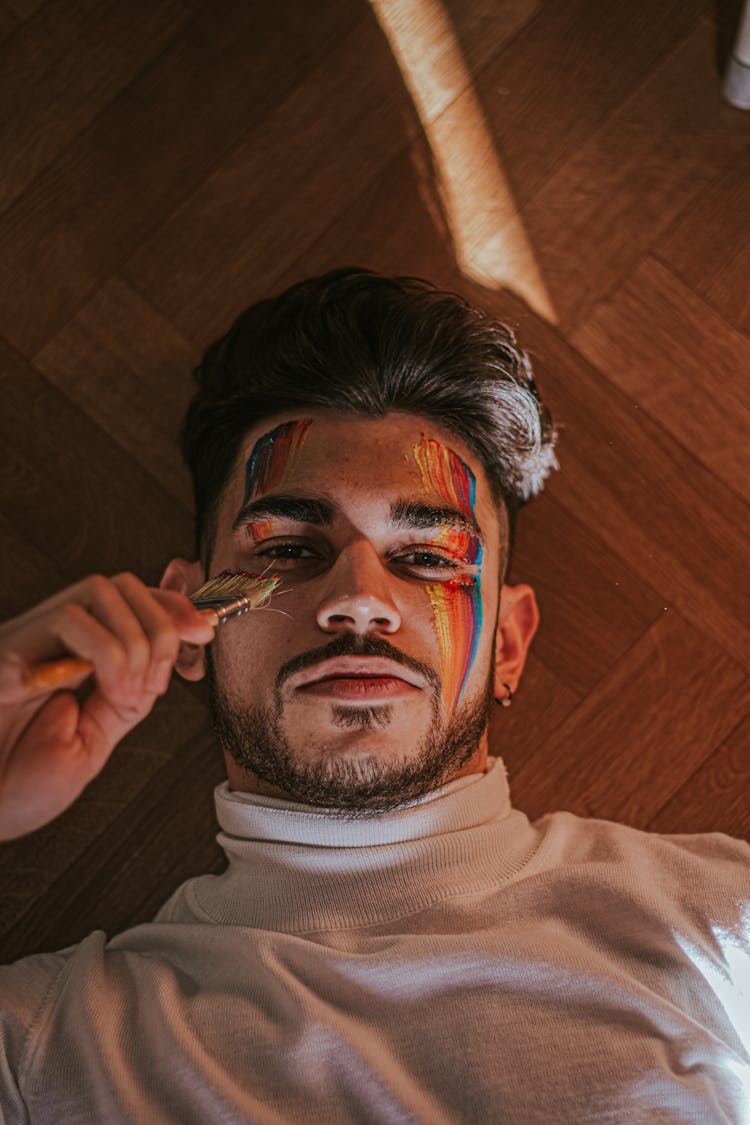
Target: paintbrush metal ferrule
(226, 608)
(234, 592)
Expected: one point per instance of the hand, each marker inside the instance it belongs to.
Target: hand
(52, 744)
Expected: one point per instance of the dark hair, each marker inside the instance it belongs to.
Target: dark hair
(356, 342)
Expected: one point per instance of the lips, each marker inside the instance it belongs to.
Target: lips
(357, 678)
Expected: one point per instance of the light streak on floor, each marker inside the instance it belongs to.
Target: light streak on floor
(491, 243)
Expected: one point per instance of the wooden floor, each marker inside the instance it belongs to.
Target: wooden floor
(167, 162)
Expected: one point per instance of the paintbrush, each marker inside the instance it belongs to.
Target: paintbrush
(229, 594)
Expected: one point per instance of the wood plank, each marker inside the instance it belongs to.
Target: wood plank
(652, 337)
(710, 245)
(8, 21)
(559, 81)
(23, 9)
(483, 27)
(128, 370)
(146, 152)
(27, 574)
(636, 488)
(539, 707)
(76, 495)
(594, 606)
(637, 738)
(722, 782)
(280, 187)
(598, 214)
(62, 66)
(395, 226)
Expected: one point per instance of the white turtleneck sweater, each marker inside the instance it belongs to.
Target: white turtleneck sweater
(448, 961)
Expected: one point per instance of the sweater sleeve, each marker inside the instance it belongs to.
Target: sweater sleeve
(26, 989)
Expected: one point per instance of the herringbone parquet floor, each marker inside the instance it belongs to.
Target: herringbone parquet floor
(569, 165)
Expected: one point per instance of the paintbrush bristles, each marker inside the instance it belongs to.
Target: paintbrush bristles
(252, 589)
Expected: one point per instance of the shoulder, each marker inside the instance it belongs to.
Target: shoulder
(584, 837)
(708, 871)
(30, 983)
(29, 990)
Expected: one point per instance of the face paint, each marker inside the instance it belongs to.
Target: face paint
(458, 621)
(274, 456)
(262, 529)
(445, 473)
(457, 603)
(458, 544)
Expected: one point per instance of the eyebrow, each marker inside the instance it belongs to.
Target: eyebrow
(417, 514)
(302, 509)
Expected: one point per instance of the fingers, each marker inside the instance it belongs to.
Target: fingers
(51, 744)
(152, 640)
(131, 633)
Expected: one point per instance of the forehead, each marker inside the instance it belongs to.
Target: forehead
(344, 456)
(361, 466)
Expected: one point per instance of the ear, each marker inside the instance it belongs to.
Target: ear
(186, 577)
(517, 623)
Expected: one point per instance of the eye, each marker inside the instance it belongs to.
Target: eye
(427, 560)
(287, 553)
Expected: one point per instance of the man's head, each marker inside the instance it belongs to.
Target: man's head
(370, 439)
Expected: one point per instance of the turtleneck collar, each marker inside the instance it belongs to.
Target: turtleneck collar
(463, 803)
(298, 868)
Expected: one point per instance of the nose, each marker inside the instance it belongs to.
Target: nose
(358, 598)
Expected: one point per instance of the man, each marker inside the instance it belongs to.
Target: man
(391, 941)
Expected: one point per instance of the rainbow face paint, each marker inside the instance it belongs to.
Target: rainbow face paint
(460, 545)
(458, 622)
(457, 603)
(443, 472)
(274, 456)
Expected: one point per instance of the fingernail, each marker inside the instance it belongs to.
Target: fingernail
(210, 615)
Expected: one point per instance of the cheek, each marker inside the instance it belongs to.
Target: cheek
(457, 609)
(248, 651)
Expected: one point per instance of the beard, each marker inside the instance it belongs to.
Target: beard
(254, 738)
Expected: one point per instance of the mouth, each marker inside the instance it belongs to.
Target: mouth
(357, 678)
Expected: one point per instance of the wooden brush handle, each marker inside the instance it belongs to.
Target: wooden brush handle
(54, 672)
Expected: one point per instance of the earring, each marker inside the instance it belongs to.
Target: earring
(509, 697)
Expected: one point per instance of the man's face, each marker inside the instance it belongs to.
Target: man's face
(368, 680)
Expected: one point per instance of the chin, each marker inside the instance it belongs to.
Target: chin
(367, 742)
(394, 722)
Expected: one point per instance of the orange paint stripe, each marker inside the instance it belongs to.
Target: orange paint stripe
(445, 473)
(457, 626)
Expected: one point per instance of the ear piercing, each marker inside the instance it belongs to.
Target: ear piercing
(506, 702)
